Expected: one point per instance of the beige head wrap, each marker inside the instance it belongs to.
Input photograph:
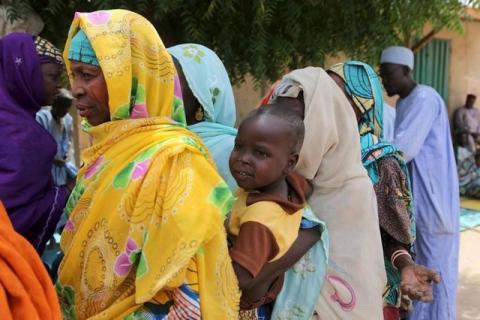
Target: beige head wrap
(343, 197)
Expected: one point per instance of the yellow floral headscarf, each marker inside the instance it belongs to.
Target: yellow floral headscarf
(146, 215)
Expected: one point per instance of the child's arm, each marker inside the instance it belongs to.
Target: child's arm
(253, 248)
(244, 277)
(305, 240)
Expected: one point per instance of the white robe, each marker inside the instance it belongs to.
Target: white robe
(344, 198)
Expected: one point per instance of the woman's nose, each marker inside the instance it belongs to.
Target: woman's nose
(77, 90)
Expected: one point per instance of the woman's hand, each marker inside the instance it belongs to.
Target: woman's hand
(416, 282)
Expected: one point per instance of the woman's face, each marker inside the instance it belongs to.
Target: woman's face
(51, 81)
(190, 103)
(339, 81)
(90, 91)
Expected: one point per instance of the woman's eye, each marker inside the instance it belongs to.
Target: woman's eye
(87, 76)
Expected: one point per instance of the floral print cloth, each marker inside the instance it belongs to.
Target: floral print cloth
(145, 220)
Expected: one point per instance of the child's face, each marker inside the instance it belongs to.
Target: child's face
(262, 155)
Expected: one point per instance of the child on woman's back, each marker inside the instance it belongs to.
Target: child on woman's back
(266, 216)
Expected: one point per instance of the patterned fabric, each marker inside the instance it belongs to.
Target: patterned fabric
(393, 212)
(81, 49)
(260, 313)
(359, 81)
(187, 307)
(303, 282)
(468, 173)
(146, 216)
(209, 82)
(364, 88)
(47, 52)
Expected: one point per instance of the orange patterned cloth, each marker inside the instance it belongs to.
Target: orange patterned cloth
(26, 290)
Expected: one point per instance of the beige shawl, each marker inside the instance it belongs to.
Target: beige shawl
(343, 197)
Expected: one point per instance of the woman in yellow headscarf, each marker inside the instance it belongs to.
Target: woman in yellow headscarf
(144, 237)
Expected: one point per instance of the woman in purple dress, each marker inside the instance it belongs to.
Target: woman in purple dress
(30, 70)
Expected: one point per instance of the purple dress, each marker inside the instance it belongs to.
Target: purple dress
(33, 202)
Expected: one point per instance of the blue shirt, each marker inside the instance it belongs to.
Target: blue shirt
(62, 133)
(388, 122)
(422, 133)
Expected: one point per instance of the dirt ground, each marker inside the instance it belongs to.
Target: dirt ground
(468, 307)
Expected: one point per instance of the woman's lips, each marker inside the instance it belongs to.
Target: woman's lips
(83, 111)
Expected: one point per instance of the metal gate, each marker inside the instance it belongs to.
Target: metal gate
(432, 65)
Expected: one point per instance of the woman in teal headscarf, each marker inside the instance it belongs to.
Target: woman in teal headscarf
(209, 102)
(388, 171)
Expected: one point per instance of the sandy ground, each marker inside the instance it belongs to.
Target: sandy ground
(468, 307)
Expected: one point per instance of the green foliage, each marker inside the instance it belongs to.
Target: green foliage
(265, 38)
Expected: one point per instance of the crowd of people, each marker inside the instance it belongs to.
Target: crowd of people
(467, 132)
(310, 210)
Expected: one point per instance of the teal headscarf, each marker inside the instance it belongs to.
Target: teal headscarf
(82, 50)
(364, 88)
(209, 82)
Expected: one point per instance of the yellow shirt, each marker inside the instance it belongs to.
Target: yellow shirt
(271, 215)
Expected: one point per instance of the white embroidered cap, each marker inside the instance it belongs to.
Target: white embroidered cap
(398, 55)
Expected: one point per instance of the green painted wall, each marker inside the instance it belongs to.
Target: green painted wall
(432, 65)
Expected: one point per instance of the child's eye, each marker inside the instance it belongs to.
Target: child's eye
(261, 153)
(236, 146)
